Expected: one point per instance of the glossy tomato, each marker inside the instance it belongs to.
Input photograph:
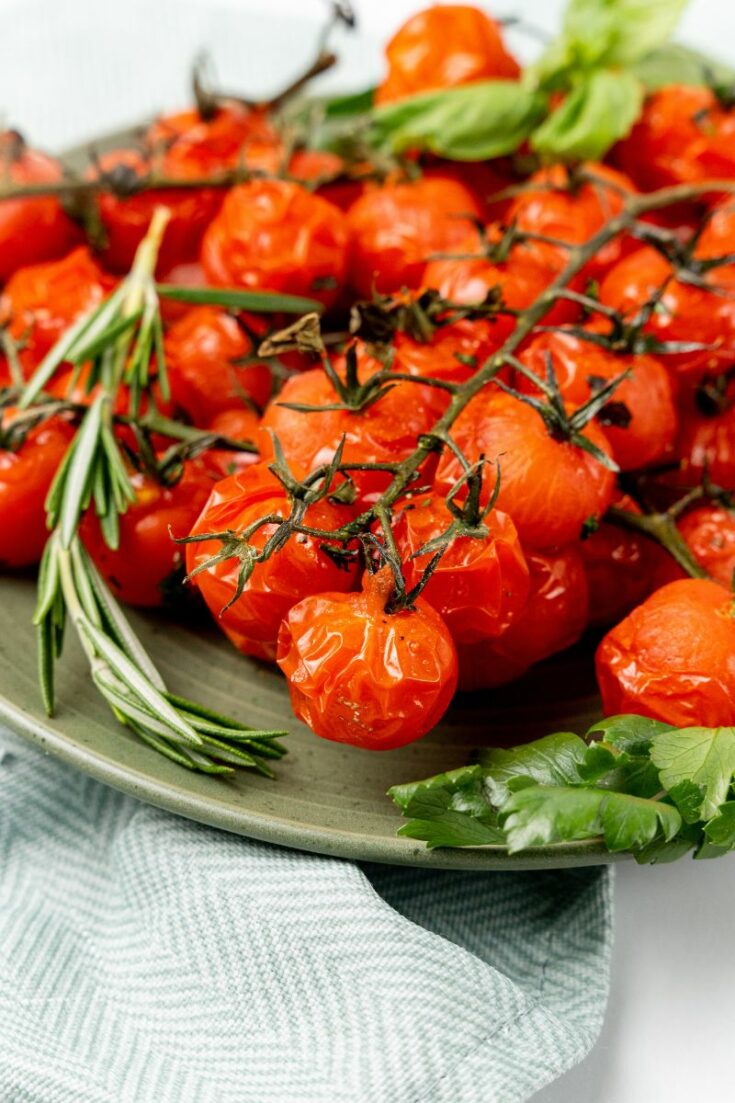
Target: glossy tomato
(300, 568)
(673, 657)
(444, 46)
(239, 425)
(480, 584)
(272, 235)
(35, 229)
(552, 619)
(214, 144)
(580, 365)
(26, 474)
(709, 530)
(396, 228)
(620, 566)
(358, 674)
(212, 365)
(40, 302)
(549, 487)
(140, 570)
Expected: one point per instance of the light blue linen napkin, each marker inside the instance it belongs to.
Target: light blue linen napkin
(148, 959)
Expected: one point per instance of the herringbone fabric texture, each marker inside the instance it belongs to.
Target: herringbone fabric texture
(144, 958)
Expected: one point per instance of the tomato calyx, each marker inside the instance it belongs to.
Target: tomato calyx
(378, 320)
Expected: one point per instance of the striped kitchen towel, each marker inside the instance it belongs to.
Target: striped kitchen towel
(147, 959)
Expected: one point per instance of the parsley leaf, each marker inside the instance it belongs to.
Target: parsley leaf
(704, 756)
(552, 760)
(448, 810)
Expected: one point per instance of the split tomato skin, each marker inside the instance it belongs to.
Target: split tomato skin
(384, 432)
(202, 353)
(35, 229)
(40, 302)
(395, 229)
(272, 235)
(549, 487)
(126, 220)
(647, 393)
(442, 47)
(147, 557)
(553, 618)
(480, 585)
(299, 569)
(26, 476)
(673, 657)
(360, 675)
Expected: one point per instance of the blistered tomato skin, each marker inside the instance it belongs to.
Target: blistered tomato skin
(619, 565)
(25, 479)
(396, 228)
(708, 444)
(709, 532)
(360, 675)
(298, 569)
(272, 235)
(673, 657)
(549, 487)
(442, 47)
(480, 584)
(36, 229)
(553, 618)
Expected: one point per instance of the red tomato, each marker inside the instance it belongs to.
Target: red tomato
(212, 145)
(549, 487)
(39, 303)
(385, 432)
(718, 237)
(26, 475)
(554, 208)
(485, 179)
(709, 530)
(673, 658)
(126, 220)
(189, 274)
(204, 350)
(686, 313)
(619, 565)
(444, 46)
(272, 235)
(241, 424)
(310, 165)
(707, 443)
(300, 568)
(147, 557)
(31, 230)
(675, 118)
(397, 227)
(453, 354)
(480, 585)
(647, 393)
(553, 618)
(360, 675)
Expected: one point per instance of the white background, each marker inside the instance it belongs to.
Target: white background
(70, 68)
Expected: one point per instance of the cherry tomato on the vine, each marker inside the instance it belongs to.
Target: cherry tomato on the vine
(620, 566)
(359, 674)
(301, 567)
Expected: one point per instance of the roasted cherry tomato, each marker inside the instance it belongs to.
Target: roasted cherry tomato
(300, 568)
(207, 354)
(272, 235)
(126, 219)
(480, 584)
(384, 432)
(40, 302)
(397, 227)
(211, 145)
(642, 432)
(673, 657)
(452, 354)
(685, 313)
(240, 425)
(673, 121)
(35, 229)
(444, 46)
(707, 444)
(553, 618)
(308, 166)
(26, 474)
(571, 210)
(361, 675)
(620, 566)
(145, 563)
(709, 530)
(549, 487)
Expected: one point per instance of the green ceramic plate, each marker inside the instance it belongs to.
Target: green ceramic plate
(328, 797)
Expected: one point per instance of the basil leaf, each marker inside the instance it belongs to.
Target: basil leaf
(539, 815)
(354, 103)
(600, 109)
(675, 64)
(470, 123)
(704, 756)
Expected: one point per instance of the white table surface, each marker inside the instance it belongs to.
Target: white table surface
(70, 68)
